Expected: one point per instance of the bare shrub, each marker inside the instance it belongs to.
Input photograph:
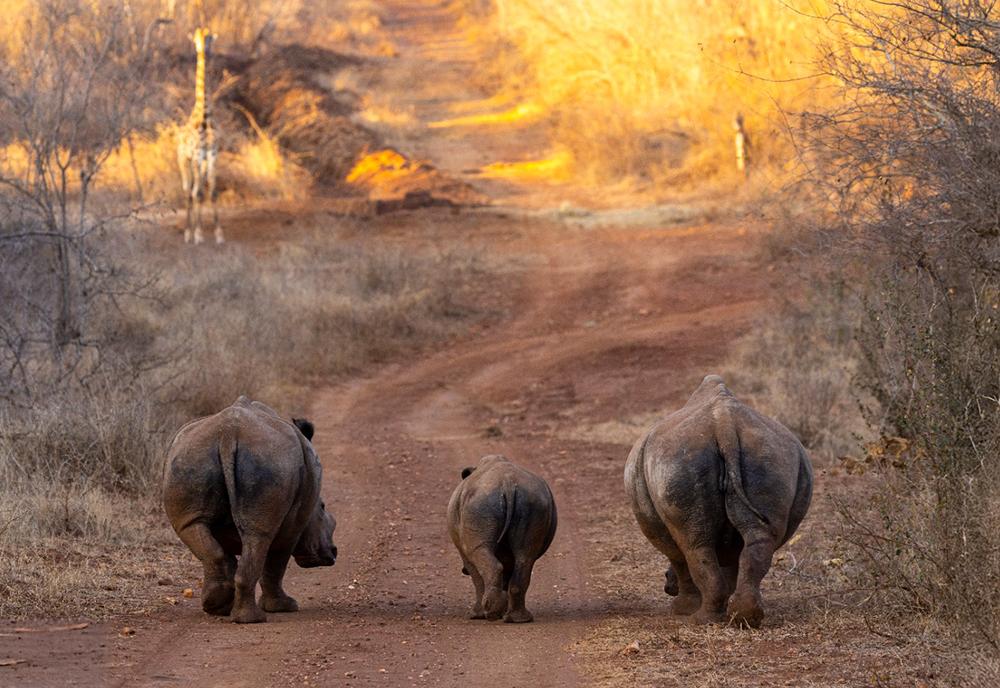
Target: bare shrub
(62, 113)
(798, 365)
(909, 167)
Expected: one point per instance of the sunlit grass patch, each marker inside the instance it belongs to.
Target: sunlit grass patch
(557, 166)
(520, 113)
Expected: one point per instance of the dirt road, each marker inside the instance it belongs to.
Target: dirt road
(608, 324)
(602, 324)
(606, 321)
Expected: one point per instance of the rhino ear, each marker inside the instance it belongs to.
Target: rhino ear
(466, 472)
(305, 427)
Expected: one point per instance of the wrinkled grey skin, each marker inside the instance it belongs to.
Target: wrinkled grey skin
(246, 483)
(501, 518)
(718, 488)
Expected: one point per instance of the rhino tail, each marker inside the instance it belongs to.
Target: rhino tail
(228, 449)
(731, 480)
(509, 498)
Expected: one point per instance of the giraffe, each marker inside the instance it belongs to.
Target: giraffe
(197, 148)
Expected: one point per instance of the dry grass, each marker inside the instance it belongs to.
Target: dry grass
(252, 166)
(649, 89)
(80, 526)
(799, 367)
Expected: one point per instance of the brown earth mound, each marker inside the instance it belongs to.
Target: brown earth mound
(286, 93)
(394, 182)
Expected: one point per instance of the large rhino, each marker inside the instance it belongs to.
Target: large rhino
(246, 483)
(717, 488)
(501, 518)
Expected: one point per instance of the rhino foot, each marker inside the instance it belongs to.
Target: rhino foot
(279, 604)
(218, 599)
(745, 610)
(685, 605)
(518, 616)
(494, 604)
(704, 617)
(249, 615)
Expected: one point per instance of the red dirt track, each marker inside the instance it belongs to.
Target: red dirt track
(393, 610)
(602, 322)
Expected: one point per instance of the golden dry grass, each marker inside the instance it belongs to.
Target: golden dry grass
(81, 530)
(650, 88)
(257, 167)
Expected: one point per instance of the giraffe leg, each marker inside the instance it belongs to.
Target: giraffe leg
(196, 193)
(210, 182)
(184, 164)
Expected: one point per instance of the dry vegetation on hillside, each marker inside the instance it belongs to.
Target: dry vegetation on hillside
(897, 339)
(886, 358)
(649, 90)
(111, 338)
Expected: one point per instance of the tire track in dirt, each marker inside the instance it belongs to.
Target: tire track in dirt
(393, 610)
(603, 324)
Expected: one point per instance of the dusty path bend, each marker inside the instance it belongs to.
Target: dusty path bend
(601, 325)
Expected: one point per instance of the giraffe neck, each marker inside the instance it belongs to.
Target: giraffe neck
(202, 113)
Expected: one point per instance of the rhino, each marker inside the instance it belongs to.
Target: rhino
(717, 488)
(502, 518)
(246, 483)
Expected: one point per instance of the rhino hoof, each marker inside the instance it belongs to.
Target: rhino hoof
(218, 599)
(519, 616)
(254, 615)
(746, 613)
(279, 604)
(685, 605)
(703, 617)
(218, 611)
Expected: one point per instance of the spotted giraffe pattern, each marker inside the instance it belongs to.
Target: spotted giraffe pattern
(197, 149)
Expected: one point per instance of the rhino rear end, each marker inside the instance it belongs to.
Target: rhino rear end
(717, 488)
(242, 491)
(502, 519)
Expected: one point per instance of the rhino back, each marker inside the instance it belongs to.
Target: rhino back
(683, 471)
(193, 484)
(265, 456)
(502, 501)
(777, 473)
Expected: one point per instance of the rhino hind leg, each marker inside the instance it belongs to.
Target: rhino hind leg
(487, 571)
(746, 606)
(477, 581)
(217, 589)
(273, 597)
(517, 588)
(248, 573)
(688, 597)
(707, 575)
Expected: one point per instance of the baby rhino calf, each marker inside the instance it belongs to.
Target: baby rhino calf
(246, 483)
(502, 519)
